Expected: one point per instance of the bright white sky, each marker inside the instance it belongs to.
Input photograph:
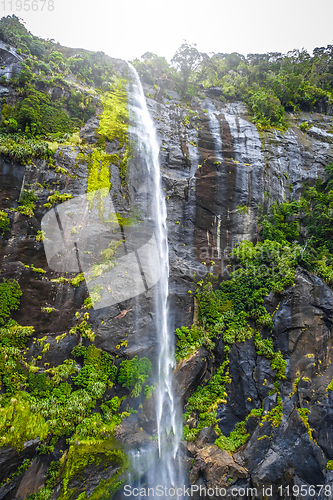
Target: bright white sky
(129, 28)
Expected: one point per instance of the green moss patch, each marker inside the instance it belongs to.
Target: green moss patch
(4, 222)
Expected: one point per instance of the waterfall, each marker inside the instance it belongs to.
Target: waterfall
(214, 129)
(169, 424)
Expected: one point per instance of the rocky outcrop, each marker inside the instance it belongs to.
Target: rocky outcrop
(216, 467)
(10, 460)
(191, 372)
(10, 64)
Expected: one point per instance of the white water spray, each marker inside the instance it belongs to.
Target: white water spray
(169, 426)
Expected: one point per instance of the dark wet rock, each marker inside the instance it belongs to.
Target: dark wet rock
(214, 92)
(10, 460)
(130, 434)
(33, 479)
(92, 476)
(191, 372)
(9, 63)
(11, 177)
(303, 331)
(242, 392)
(285, 454)
(88, 131)
(206, 436)
(166, 83)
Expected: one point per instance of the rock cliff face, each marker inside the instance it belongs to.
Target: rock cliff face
(213, 161)
(205, 188)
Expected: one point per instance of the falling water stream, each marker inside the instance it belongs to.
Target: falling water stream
(165, 470)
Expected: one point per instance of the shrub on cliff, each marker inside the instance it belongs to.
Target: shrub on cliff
(4, 222)
(10, 293)
(133, 373)
(267, 109)
(308, 222)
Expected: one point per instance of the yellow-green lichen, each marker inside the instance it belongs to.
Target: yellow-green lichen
(114, 119)
(113, 126)
(98, 168)
(19, 424)
(303, 413)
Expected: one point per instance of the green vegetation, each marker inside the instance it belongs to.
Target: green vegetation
(133, 373)
(190, 340)
(296, 382)
(329, 465)
(235, 310)
(36, 269)
(52, 475)
(105, 262)
(10, 293)
(276, 413)
(304, 126)
(54, 401)
(330, 386)
(265, 348)
(187, 60)
(37, 114)
(241, 209)
(57, 198)
(72, 281)
(79, 457)
(263, 268)
(88, 304)
(18, 423)
(59, 401)
(37, 122)
(48, 310)
(98, 168)
(27, 203)
(314, 211)
(15, 34)
(72, 400)
(40, 236)
(83, 328)
(228, 311)
(270, 84)
(4, 222)
(237, 438)
(231, 309)
(113, 125)
(93, 68)
(204, 402)
(149, 389)
(303, 413)
(97, 367)
(43, 494)
(114, 120)
(151, 67)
